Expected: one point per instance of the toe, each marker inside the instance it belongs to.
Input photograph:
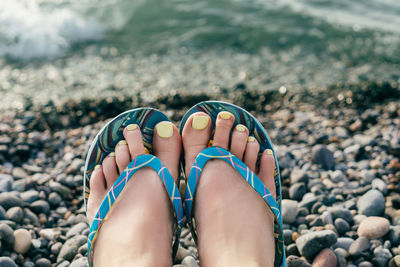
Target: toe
(133, 137)
(223, 127)
(97, 192)
(167, 146)
(251, 153)
(239, 140)
(267, 169)
(195, 137)
(110, 169)
(122, 156)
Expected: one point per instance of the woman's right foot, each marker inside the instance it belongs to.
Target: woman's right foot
(138, 229)
(235, 227)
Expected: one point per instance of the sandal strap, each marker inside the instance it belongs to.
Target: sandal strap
(112, 195)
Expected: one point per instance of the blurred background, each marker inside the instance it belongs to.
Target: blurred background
(69, 49)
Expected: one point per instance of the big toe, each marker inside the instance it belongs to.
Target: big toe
(195, 137)
(167, 146)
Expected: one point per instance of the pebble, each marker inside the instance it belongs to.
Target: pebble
(341, 256)
(3, 213)
(326, 217)
(6, 181)
(371, 203)
(297, 191)
(70, 247)
(381, 256)
(323, 156)
(7, 234)
(394, 235)
(7, 262)
(341, 226)
(289, 210)
(395, 262)
(29, 196)
(54, 199)
(43, 263)
(50, 234)
(15, 214)
(294, 261)
(379, 185)
(326, 258)
(23, 241)
(189, 261)
(374, 227)
(298, 176)
(81, 262)
(40, 206)
(339, 212)
(10, 199)
(360, 245)
(76, 229)
(343, 242)
(311, 243)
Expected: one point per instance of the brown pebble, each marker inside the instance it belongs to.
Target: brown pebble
(394, 164)
(42, 218)
(295, 235)
(326, 258)
(373, 227)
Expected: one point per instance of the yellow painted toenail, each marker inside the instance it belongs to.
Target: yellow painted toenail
(147, 151)
(200, 122)
(225, 115)
(164, 129)
(122, 142)
(240, 127)
(269, 152)
(210, 143)
(97, 167)
(112, 154)
(251, 139)
(132, 127)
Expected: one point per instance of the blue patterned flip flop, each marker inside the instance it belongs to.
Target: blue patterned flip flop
(104, 143)
(212, 108)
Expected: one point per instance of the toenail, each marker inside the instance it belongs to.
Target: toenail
(122, 142)
(97, 167)
(240, 127)
(112, 154)
(225, 115)
(164, 129)
(132, 127)
(251, 139)
(269, 152)
(200, 122)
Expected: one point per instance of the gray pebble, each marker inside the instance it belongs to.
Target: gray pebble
(338, 212)
(298, 175)
(76, 229)
(341, 255)
(6, 181)
(29, 196)
(10, 199)
(371, 203)
(323, 156)
(297, 191)
(394, 235)
(54, 199)
(7, 262)
(189, 261)
(343, 242)
(379, 185)
(312, 243)
(40, 206)
(7, 234)
(289, 210)
(70, 247)
(43, 263)
(81, 262)
(381, 256)
(341, 226)
(365, 264)
(55, 248)
(294, 261)
(19, 185)
(3, 215)
(15, 214)
(360, 245)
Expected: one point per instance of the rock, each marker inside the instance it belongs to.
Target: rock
(9, 200)
(365, 264)
(343, 242)
(381, 256)
(289, 210)
(366, 175)
(81, 262)
(43, 263)
(312, 243)
(19, 173)
(40, 206)
(7, 262)
(6, 234)
(50, 234)
(181, 254)
(341, 256)
(3, 214)
(338, 176)
(54, 199)
(308, 201)
(341, 226)
(338, 212)
(29, 196)
(287, 236)
(323, 156)
(326, 258)
(379, 185)
(371, 203)
(55, 249)
(394, 235)
(326, 217)
(356, 126)
(395, 262)
(15, 214)
(375, 164)
(374, 227)
(23, 241)
(6, 181)
(61, 189)
(70, 247)
(76, 229)
(294, 261)
(189, 261)
(298, 176)
(297, 191)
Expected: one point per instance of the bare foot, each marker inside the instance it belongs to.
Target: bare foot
(235, 226)
(138, 230)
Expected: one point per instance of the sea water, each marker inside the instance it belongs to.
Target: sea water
(187, 45)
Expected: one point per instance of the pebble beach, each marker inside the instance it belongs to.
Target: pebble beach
(338, 153)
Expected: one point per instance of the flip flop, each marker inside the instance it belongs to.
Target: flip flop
(104, 143)
(212, 108)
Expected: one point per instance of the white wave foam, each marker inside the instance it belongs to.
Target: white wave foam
(28, 31)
